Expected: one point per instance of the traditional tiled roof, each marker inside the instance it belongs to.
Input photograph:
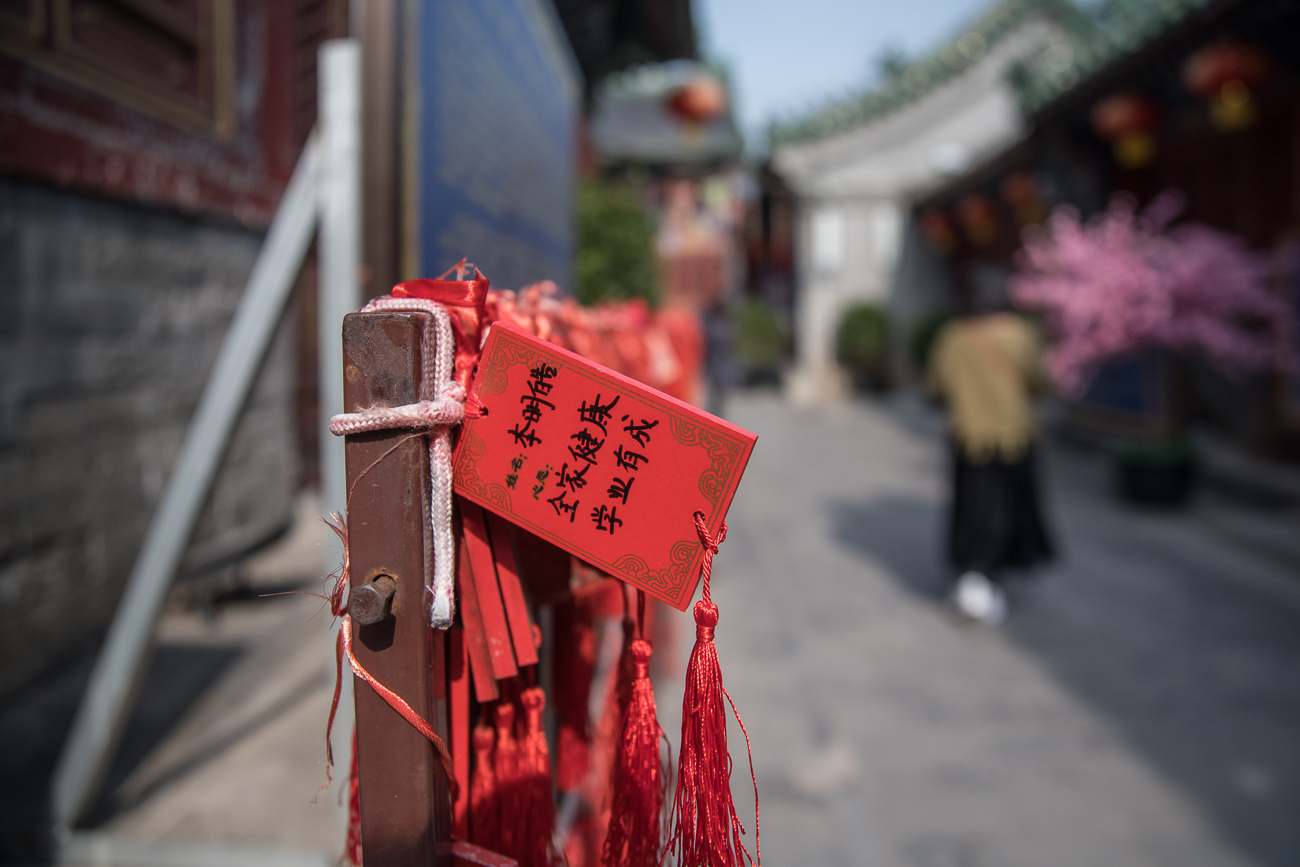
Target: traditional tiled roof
(926, 74)
(1121, 27)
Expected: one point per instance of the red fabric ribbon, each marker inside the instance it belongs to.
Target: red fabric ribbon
(466, 301)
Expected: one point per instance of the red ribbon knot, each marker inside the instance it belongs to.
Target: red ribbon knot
(641, 658)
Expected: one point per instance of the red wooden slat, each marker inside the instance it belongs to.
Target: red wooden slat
(489, 593)
(512, 592)
(458, 718)
(480, 658)
(545, 568)
(468, 855)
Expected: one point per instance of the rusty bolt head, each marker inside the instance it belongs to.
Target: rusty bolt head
(370, 603)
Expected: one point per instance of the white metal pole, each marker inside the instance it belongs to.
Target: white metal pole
(339, 243)
(117, 671)
(339, 293)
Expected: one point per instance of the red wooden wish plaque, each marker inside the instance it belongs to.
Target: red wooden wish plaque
(606, 468)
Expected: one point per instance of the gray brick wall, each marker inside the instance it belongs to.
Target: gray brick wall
(110, 319)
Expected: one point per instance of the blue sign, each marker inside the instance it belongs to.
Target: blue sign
(1132, 384)
(498, 96)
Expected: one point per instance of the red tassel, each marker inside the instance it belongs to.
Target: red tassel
(484, 811)
(707, 831)
(575, 655)
(537, 811)
(505, 766)
(626, 662)
(640, 778)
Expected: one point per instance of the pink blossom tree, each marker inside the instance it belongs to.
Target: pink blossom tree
(1125, 282)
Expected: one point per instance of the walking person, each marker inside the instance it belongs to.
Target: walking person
(719, 367)
(985, 368)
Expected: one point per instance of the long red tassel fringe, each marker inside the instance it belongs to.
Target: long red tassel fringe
(640, 775)
(575, 655)
(484, 811)
(707, 832)
(537, 810)
(505, 766)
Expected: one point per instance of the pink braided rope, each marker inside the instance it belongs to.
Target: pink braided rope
(426, 414)
(442, 405)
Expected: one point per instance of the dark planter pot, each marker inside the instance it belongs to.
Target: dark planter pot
(764, 376)
(1155, 482)
(869, 376)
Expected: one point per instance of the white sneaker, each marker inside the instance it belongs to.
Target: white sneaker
(980, 599)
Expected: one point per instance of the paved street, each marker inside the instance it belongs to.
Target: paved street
(223, 759)
(1140, 707)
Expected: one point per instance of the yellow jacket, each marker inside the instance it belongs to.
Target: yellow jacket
(987, 369)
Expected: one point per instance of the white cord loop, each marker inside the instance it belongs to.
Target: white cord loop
(442, 405)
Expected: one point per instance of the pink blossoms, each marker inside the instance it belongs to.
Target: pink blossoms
(1126, 281)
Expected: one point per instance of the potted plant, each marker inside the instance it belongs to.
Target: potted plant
(862, 346)
(759, 342)
(1155, 473)
(1129, 282)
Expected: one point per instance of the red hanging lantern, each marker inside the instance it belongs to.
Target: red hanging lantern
(978, 219)
(699, 100)
(1020, 191)
(1127, 120)
(938, 232)
(1224, 75)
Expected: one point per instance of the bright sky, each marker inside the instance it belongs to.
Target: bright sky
(790, 55)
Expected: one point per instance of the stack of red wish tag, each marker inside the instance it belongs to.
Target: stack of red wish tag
(581, 496)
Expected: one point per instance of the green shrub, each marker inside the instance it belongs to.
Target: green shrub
(758, 341)
(921, 340)
(864, 336)
(862, 346)
(615, 246)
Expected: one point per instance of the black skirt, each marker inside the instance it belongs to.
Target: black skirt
(996, 522)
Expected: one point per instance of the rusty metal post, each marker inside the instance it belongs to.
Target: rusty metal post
(405, 800)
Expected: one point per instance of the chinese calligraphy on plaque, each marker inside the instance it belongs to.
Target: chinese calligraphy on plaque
(602, 466)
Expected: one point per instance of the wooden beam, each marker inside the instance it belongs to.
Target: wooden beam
(405, 798)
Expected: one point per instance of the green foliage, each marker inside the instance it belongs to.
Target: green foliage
(1175, 452)
(615, 246)
(758, 341)
(921, 340)
(863, 338)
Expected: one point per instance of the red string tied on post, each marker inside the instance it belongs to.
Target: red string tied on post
(707, 832)
(352, 848)
(343, 651)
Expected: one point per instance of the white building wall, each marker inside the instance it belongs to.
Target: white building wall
(865, 179)
(852, 249)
